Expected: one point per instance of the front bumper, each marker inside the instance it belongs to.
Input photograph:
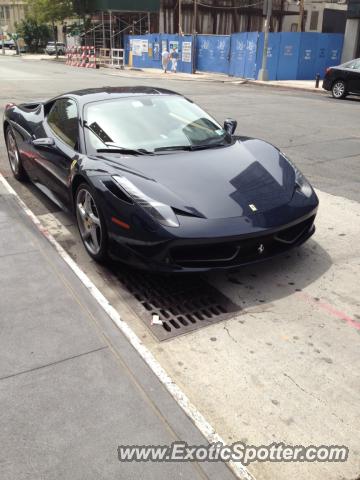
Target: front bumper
(186, 255)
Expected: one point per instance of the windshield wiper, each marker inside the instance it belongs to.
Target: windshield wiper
(191, 148)
(203, 146)
(129, 151)
(174, 147)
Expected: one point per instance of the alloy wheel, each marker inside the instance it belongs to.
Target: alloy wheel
(12, 152)
(338, 89)
(88, 221)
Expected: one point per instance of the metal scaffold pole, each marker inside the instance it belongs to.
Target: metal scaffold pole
(180, 17)
(111, 32)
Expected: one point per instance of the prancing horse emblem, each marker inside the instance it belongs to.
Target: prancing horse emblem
(261, 248)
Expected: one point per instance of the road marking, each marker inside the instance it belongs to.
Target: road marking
(330, 309)
(179, 396)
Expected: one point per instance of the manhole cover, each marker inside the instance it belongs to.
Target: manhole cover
(172, 306)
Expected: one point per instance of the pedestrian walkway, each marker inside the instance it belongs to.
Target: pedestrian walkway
(72, 388)
(307, 85)
(156, 73)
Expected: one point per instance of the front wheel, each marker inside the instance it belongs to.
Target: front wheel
(338, 89)
(14, 156)
(91, 224)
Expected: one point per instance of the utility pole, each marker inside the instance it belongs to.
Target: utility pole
(301, 15)
(180, 17)
(195, 16)
(263, 72)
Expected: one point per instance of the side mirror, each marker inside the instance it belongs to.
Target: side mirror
(230, 126)
(43, 142)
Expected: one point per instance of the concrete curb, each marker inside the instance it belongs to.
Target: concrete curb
(286, 87)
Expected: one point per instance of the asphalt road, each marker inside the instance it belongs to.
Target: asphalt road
(320, 134)
(286, 367)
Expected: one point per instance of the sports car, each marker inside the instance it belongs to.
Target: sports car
(156, 182)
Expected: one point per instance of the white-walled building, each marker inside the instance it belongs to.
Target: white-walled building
(319, 16)
(11, 12)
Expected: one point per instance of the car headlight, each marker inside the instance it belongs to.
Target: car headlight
(160, 212)
(300, 181)
(302, 184)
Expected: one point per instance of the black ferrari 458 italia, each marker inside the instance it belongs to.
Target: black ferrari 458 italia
(156, 182)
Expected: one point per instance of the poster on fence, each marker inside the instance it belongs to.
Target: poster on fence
(136, 47)
(174, 45)
(145, 46)
(156, 51)
(186, 52)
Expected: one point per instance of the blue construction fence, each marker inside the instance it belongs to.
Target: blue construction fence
(290, 56)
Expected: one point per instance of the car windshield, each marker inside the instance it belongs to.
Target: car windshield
(150, 123)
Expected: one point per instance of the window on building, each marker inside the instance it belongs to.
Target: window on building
(314, 20)
(5, 12)
(294, 27)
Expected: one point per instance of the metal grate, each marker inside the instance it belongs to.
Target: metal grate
(182, 303)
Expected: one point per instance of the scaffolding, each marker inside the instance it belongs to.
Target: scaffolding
(108, 29)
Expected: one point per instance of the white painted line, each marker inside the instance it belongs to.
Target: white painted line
(202, 424)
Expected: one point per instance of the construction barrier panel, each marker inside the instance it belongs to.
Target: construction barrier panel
(290, 56)
(273, 52)
(145, 51)
(104, 57)
(213, 53)
(85, 57)
(117, 58)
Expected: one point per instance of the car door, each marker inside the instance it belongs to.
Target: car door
(353, 76)
(54, 162)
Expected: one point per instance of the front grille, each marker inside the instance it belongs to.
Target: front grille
(291, 234)
(205, 253)
(239, 252)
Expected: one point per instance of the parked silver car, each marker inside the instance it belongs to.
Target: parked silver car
(50, 48)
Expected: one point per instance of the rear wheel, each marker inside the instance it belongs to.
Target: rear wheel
(14, 156)
(91, 224)
(338, 89)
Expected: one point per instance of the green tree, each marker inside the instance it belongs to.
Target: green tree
(51, 11)
(35, 34)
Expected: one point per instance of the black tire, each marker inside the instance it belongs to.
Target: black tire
(14, 156)
(86, 224)
(338, 89)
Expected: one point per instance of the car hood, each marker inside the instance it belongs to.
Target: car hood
(249, 176)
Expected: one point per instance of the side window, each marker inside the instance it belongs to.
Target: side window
(63, 120)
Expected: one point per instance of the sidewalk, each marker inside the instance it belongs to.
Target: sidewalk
(155, 73)
(302, 85)
(72, 388)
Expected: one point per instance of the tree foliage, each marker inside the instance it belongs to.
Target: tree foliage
(35, 34)
(50, 11)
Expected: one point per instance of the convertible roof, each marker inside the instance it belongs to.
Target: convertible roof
(103, 93)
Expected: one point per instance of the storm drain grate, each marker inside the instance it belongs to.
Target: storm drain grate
(182, 304)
